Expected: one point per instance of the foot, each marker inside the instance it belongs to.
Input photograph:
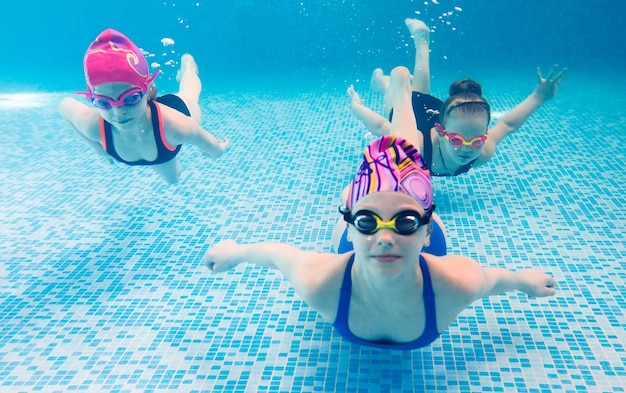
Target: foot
(187, 63)
(379, 81)
(418, 29)
(355, 98)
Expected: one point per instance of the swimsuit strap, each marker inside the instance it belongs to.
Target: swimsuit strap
(345, 294)
(158, 128)
(430, 329)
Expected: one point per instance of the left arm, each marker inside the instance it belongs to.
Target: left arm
(530, 281)
(181, 129)
(545, 90)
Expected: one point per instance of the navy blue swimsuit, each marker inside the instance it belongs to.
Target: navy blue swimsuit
(429, 335)
(165, 152)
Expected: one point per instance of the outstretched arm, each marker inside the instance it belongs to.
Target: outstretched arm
(311, 274)
(181, 129)
(374, 122)
(228, 254)
(85, 121)
(533, 282)
(210, 145)
(545, 90)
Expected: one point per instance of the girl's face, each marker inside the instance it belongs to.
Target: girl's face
(386, 251)
(466, 126)
(121, 104)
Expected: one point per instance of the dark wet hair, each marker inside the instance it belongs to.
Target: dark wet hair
(465, 96)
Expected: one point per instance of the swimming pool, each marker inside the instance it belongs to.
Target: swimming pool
(102, 286)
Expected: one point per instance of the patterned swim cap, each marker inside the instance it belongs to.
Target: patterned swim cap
(391, 163)
(112, 57)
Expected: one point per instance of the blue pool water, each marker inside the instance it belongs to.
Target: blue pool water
(102, 286)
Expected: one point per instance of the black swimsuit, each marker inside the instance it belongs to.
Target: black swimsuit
(165, 152)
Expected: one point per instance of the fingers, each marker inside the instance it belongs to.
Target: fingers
(550, 288)
(208, 262)
(560, 76)
(552, 71)
(554, 76)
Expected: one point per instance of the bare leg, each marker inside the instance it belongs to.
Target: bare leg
(399, 92)
(421, 71)
(374, 122)
(379, 81)
(170, 171)
(190, 86)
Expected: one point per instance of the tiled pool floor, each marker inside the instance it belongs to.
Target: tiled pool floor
(102, 286)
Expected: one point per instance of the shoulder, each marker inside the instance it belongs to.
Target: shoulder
(84, 118)
(319, 281)
(177, 125)
(456, 283)
(489, 149)
(455, 275)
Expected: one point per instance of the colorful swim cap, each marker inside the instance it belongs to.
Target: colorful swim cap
(391, 163)
(112, 57)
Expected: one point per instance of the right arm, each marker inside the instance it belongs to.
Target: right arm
(315, 277)
(228, 254)
(303, 268)
(85, 121)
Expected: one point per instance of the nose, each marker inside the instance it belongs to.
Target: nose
(384, 237)
(119, 110)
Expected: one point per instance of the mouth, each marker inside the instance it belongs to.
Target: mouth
(386, 258)
(124, 121)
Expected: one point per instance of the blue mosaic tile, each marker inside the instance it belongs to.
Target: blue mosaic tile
(102, 287)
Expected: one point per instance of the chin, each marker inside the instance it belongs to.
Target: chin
(127, 124)
(465, 160)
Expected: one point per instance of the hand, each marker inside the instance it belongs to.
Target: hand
(221, 257)
(537, 283)
(546, 88)
(222, 145)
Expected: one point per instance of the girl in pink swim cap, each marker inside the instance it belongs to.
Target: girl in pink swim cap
(389, 292)
(126, 121)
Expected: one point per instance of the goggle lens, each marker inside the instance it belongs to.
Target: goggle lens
(404, 223)
(130, 97)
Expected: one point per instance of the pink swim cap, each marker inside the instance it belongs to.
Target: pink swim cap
(391, 163)
(112, 57)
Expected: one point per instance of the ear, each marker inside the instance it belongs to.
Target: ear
(429, 231)
(152, 91)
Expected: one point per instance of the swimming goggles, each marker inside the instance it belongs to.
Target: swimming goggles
(404, 223)
(459, 140)
(131, 96)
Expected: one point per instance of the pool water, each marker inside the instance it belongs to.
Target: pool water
(103, 287)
